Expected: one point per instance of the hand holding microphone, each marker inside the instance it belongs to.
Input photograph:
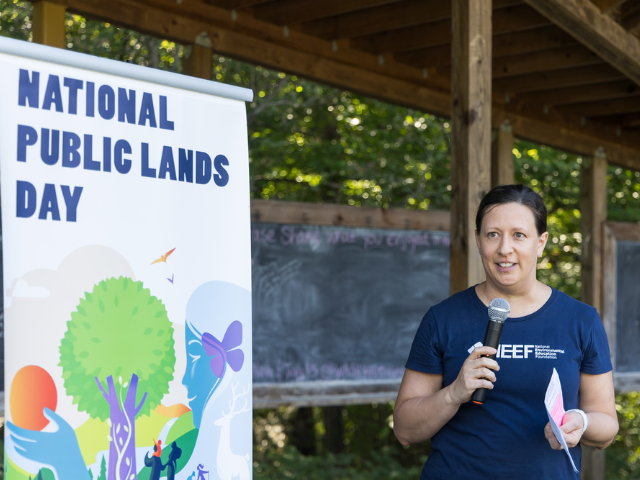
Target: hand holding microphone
(498, 312)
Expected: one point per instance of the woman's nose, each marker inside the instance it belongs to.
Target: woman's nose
(505, 246)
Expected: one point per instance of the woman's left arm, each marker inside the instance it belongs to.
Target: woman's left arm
(597, 400)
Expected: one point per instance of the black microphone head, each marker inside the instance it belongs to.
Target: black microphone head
(499, 310)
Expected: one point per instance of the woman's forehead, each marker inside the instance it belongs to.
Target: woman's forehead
(508, 215)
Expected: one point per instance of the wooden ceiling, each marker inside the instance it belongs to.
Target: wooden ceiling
(565, 72)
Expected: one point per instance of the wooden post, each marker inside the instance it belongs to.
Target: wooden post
(48, 24)
(470, 134)
(198, 62)
(593, 214)
(502, 169)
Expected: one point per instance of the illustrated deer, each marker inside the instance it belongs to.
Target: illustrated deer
(229, 464)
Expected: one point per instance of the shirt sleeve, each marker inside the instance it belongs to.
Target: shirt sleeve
(426, 354)
(596, 358)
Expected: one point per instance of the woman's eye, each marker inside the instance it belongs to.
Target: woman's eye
(520, 235)
(493, 234)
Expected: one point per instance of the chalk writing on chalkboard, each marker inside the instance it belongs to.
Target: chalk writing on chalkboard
(341, 303)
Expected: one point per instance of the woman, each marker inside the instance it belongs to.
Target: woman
(509, 436)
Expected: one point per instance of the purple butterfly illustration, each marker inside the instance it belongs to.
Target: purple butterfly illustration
(225, 351)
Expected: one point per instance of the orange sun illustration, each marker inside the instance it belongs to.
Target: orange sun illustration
(32, 389)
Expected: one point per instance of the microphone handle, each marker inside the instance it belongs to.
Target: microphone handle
(491, 339)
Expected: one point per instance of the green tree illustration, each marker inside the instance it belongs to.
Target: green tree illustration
(103, 470)
(118, 330)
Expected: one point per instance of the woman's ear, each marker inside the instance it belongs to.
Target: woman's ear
(542, 242)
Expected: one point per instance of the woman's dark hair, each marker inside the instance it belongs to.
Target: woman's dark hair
(514, 194)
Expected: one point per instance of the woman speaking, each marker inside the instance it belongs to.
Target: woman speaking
(508, 436)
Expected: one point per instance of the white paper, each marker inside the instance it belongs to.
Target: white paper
(555, 410)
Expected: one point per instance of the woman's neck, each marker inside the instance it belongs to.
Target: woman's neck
(522, 300)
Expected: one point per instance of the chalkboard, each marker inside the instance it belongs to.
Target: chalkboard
(338, 307)
(621, 302)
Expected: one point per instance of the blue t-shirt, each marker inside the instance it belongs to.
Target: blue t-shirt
(504, 437)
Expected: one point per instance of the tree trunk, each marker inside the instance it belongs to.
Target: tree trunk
(122, 429)
(303, 436)
(333, 429)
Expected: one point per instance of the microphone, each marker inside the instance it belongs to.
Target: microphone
(498, 312)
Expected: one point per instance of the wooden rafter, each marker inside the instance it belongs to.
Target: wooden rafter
(375, 20)
(630, 15)
(558, 78)
(583, 93)
(249, 39)
(517, 64)
(235, 4)
(505, 20)
(293, 12)
(596, 31)
(542, 61)
(630, 120)
(606, 6)
(544, 38)
(603, 107)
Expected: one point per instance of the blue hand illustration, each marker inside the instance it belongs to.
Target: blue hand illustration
(58, 450)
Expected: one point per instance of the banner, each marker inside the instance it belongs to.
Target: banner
(127, 284)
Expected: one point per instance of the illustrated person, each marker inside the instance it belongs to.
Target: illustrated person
(509, 436)
(157, 448)
(172, 464)
(201, 472)
(215, 315)
(155, 463)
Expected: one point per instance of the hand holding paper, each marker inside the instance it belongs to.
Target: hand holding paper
(572, 428)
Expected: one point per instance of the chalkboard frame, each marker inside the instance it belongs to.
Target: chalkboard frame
(614, 232)
(339, 392)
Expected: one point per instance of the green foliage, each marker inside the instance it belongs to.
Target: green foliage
(313, 143)
(15, 19)
(117, 329)
(289, 463)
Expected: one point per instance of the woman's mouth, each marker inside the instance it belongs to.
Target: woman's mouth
(505, 266)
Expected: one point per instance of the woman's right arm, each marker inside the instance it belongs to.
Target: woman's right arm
(423, 407)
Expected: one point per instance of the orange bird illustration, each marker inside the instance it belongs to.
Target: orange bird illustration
(163, 258)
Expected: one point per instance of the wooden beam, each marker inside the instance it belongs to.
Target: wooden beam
(470, 135)
(593, 215)
(257, 42)
(558, 78)
(293, 12)
(630, 120)
(542, 61)
(519, 64)
(236, 4)
(184, 22)
(606, 6)
(48, 24)
(543, 38)
(304, 213)
(583, 93)
(602, 107)
(374, 20)
(198, 62)
(596, 31)
(505, 20)
(623, 151)
(502, 167)
(630, 15)
(512, 44)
